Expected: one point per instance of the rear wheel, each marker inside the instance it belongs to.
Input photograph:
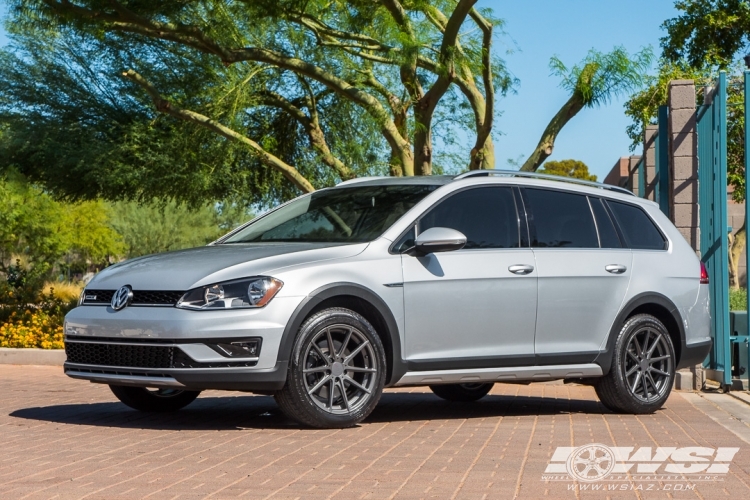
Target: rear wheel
(154, 400)
(461, 392)
(643, 368)
(337, 371)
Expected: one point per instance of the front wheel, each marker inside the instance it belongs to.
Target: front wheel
(643, 368)
(461, 392)
(154, 400)
(337, 371)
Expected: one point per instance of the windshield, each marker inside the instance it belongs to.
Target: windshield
(351, 214)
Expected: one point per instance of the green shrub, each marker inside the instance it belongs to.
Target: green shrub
(738, 299)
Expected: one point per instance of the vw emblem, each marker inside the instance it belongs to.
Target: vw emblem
(122, 298)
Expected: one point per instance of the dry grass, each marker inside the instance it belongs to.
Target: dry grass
(65, 291)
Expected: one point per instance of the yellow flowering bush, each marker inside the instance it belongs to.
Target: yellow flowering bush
(32, 328)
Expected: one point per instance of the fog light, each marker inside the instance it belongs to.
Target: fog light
(238, 349)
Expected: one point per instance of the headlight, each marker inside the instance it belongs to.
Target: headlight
(249, 292)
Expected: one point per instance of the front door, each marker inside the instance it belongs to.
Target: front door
(475, 307)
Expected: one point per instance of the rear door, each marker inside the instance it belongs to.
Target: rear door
(583, 274)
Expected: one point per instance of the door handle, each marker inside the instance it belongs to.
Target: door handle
(615, 268)
(520, 269)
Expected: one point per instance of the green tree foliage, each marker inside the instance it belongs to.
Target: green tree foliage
(592, 82)
(39, 235)
(706, 36)
(707, 32)
(568, 168)
(31, 226)
(253, 99)
(155, 227)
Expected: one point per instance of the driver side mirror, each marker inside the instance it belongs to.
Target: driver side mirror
(439, 239)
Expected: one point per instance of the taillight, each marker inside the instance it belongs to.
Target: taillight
(704, 274)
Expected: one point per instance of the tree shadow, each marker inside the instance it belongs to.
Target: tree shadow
(261, 412)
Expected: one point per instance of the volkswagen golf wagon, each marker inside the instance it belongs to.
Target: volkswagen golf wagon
(455, 283)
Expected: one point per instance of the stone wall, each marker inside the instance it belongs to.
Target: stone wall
(683, 161)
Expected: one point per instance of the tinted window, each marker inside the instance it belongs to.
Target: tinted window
(607, 232)
(561, 219)
(348, 214)
(638, 229)
(486, 216)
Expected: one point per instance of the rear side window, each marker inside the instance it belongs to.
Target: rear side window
(639, 230)
(607, 232)
(561, 219)
(486, 216)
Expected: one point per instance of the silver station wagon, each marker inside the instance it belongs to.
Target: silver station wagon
(450, 282)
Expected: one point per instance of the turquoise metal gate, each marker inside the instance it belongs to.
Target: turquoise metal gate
(712, 199)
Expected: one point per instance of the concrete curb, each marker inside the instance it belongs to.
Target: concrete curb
(50, 357)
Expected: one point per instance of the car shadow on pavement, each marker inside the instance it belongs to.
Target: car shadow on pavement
(261, 412)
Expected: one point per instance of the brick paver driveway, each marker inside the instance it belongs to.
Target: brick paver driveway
(61, 438)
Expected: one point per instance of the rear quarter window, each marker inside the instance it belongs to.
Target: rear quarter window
(639, 230)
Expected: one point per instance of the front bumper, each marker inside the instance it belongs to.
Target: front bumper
(227, 379)
(170, 347)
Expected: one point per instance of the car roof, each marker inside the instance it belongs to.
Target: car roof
(478, 177)
(422, 180)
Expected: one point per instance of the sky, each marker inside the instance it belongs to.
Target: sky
(540, 29)
(568, 29)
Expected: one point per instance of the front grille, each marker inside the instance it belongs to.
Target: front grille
(138, 356)
(120, 355)
(140, 297)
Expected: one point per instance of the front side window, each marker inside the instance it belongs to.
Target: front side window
(487, 216)
(354, 214)
(561, 219)
(639, 231)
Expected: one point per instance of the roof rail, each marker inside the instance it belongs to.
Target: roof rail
(534, 175)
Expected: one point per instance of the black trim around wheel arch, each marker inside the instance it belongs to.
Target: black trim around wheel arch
(605, 357)
(397, 367)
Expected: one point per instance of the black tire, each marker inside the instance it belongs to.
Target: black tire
(639, 382)
(461, 392)
(154, 400)
(313, 392)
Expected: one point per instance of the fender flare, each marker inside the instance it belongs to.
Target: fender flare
(604, 359)
(397, 367)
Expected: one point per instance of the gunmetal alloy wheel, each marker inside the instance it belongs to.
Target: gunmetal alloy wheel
(337, 372)
(155, 400)
(643, 367)
(340, 369)
(648, 364)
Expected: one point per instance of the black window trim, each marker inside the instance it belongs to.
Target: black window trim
(415, 223)
(596, 224)
(612, 219)
(621, 234)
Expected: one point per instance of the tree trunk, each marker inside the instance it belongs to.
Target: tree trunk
(736, 245)
(423, 138)
(547, 142)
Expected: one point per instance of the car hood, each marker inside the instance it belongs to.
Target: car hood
(185, 269)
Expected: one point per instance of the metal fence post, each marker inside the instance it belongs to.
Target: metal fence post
(720, 254)
(747, 205)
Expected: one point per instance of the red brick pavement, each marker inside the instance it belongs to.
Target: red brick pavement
(61, 438)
